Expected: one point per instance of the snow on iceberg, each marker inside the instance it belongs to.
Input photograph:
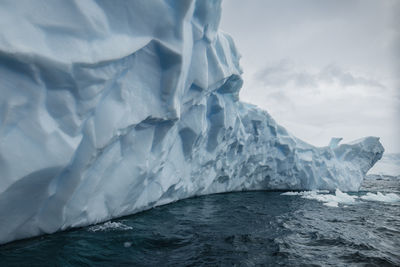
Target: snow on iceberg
(112, 107)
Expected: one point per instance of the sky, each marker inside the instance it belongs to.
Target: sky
(322, 69)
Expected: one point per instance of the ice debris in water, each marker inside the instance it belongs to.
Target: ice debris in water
(114, 107)
(127, 244)
(389, 197)
(332, 200)
(324, 196)
(109, 226)
(302, 193)
(341, 197)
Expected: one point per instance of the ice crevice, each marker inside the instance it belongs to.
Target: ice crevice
(110, 108)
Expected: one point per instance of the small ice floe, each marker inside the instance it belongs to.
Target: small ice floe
(332, 204)
(331, 200)
(323, 196)
(127, 244)
(302, 193)
(109, 226)
(389, 197)
(292, 193)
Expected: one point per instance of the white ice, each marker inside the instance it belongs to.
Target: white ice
(108, 108)
(382, 197)
(127, 244)
(324, 197)
(333, 200)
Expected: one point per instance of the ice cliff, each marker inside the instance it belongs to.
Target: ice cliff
(108, 108)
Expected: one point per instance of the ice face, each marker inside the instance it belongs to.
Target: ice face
(112, 107)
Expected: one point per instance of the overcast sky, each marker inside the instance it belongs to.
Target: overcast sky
(322, 69)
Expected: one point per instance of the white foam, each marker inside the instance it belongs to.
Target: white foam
(108, 226)
(389, 197)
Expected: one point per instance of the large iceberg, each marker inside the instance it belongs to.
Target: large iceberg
(108, 108)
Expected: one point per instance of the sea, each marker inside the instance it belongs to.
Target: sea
(260, 228)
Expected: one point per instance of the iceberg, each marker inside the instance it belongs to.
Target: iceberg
(108, 108)
(389, 165)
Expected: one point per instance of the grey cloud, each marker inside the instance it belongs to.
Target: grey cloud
(333, 73)
(285, 72)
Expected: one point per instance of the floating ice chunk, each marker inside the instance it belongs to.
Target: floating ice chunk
(338, 197)
(127, 244)
(292, 193)
(389, 197)
(329, 200)
(109, 226)
(303, 193)
(331, 204)
(344, 197)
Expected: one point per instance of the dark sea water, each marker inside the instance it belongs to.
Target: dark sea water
(243, 229)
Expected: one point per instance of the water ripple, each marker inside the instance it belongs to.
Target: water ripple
(246, 229)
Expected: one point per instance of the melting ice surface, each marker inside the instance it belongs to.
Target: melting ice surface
(112, 107)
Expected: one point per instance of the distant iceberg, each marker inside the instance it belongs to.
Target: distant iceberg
(108, 108)
(388, 165)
